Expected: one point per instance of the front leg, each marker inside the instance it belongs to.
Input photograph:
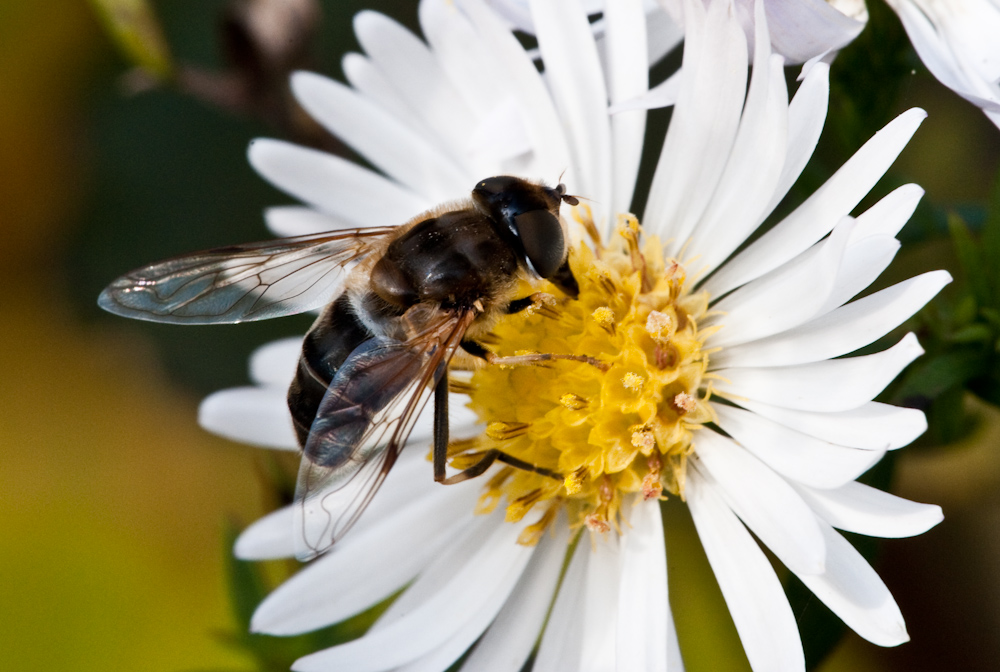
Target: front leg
(440, 428)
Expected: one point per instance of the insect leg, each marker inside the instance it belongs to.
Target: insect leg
(440, 428)
(539, 301)
(487, 461)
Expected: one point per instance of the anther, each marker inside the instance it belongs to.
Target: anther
(605, 317)
(685, 403)
(574, 482)
(633, 381)
(628, 228)
(532, 534)
(644, 440)
(658, 325)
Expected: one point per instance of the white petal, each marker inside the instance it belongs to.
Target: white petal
(871, 426)
(625, 38)
(274, 363)
(573, 72)
(295, 220)
(255, 415)
(662, 95)
(360, 571)
(820, 212)
(267, 538)
(853, 591)
(600, 605)
(862, 264)
(755, 163)
(764, 501)
(784, 298)
(361, 197)
(802, 29)
(413, 72)
(509, 60)
(411, 629)
(840, 331)
(562, 642)
(795, 455)
(887, 217)
(828, 386)
(859, 508)
(392, 147)
(758, 605)
(509, 640)
(365, 77)
(643, 605)
(806, 116)
(462, 55)
(703, 125)
(451, 650)
(273, 536)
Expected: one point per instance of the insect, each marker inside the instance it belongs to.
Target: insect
(400, 302)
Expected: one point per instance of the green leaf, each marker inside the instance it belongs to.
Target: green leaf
(970, 260)
(973, 333)
(134, 27)
(931, 376)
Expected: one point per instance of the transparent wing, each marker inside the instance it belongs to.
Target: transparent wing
(254, 281)
(361, 425)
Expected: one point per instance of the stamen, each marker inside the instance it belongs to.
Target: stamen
(658, 325)
(503, 431)
(685, 403)
(531, 535)
(633, 381)
(520, 506)
(628, 228)
(574, 482)
(644, 440)
(652, 488)
(573, 402)
(605, 317)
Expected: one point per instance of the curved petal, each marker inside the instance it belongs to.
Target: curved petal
(840, 331)
(859, 508)
(764, 501)
(295, 220)
(416, 77)
(573, 73)
(628, 77)
(853, 591)
(362, 197)
(794, 455)
(704, 123)
(784, 298)
(820, 212)
(444, 598)
(755, 598)
(871, 426)
(274, 363)
(254, 415)
(359, 572)
(392, 147)
(828, 386)
(509, 640)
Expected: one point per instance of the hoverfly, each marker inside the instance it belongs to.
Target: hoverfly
(399, 303)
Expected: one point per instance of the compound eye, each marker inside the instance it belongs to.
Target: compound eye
(542, 236)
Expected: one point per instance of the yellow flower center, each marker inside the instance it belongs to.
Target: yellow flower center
(616, 420)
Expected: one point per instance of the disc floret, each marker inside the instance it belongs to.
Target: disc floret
(598, 431)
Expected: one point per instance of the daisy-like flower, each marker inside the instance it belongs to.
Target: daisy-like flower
(959, 42)
(720, 381)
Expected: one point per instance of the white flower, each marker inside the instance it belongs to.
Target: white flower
(762, 331)
(959, 42)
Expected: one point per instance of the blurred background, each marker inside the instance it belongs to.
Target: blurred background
(116, 510)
